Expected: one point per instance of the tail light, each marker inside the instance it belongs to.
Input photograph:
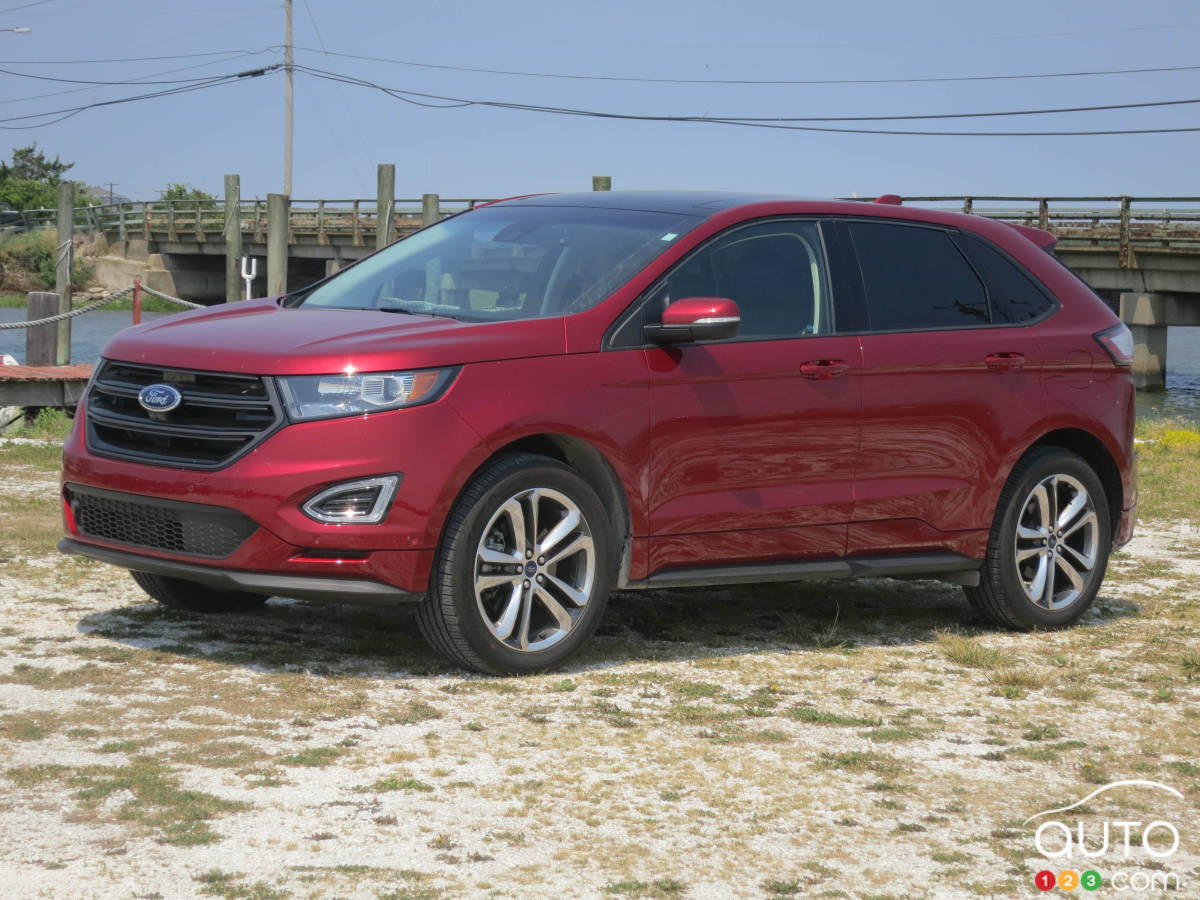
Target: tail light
(1118, 343)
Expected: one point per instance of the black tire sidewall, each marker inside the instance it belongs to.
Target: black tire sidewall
(1003, 551)
(455, 567)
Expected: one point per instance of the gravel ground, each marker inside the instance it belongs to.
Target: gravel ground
(866, 740)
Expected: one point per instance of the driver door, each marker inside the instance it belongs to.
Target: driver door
(754, 439)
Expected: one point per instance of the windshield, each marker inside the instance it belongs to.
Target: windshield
(506, 262)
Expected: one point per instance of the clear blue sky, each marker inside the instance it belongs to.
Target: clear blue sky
(343, 131)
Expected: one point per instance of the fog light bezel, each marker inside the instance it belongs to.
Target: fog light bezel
(386, 484)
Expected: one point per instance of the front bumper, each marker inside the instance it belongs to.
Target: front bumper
(356, 591)
(288, 552)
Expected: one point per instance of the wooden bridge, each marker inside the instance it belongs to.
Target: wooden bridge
(1142, 254)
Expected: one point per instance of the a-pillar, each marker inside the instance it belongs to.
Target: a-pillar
(1146, 317)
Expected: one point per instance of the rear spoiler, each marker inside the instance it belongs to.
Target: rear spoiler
(1043, 239)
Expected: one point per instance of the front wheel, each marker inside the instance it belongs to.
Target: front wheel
(523, 571)
(190, 596)
(1049, 544)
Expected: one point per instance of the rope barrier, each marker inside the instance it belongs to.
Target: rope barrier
(96, 304)
(161, 296)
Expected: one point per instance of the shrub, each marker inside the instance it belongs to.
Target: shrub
(32, 252)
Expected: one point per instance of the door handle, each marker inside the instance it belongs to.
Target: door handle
(1004, 362)
(824, 369)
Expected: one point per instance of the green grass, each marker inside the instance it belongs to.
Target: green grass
(1168, 470)
(149, 303)
(180, 817)
(317, 757)
(969, 653)
(821, 717)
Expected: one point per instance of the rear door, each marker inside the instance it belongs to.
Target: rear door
(950, 387)
(753, 439)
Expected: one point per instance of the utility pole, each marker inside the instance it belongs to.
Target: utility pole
(111, 185)
(288, 72)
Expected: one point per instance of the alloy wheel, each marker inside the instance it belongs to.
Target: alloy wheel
(535, 568)
(1057, 542)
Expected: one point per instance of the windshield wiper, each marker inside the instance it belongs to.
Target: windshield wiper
(405, 311)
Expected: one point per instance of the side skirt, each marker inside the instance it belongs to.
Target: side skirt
(952, 567)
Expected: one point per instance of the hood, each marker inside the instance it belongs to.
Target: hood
(262, 338)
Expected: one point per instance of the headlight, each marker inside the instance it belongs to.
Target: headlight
(330, 396)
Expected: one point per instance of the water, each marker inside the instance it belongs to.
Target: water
(1181, 399)
(91, 331)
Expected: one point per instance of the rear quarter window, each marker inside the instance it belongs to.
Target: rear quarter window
(1014, 296)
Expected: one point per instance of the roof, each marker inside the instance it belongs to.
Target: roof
(708, 204)
(696, 203)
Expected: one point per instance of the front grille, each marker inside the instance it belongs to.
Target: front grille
(222, 415)
(194, 529)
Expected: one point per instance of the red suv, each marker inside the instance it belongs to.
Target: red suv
(514, 411)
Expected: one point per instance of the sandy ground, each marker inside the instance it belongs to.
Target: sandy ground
(815, 740)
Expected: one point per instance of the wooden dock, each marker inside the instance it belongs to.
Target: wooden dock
(59, 386)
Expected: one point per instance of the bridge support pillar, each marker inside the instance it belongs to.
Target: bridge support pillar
(1146, 316)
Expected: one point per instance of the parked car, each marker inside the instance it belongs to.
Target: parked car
(514, 411)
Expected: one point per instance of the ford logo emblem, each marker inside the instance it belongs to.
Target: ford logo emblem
(159, 398)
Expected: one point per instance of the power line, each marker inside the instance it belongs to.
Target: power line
(953, 40)
(751, 81)
(92, 83)
(795, 123)
(64, 114)
(362, 141)
(24, 6)
(132, 82)
(772, 122)
(71, 62)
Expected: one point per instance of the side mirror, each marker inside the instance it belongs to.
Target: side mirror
(696, 319)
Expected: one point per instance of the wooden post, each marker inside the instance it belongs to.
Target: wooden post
(431, 208)
(233, 238)
(385, 206)
(356, 236)
(322, 238)
(601, 182)
(121, 233)
(277, 243)
(1044, 214)
(40, 340)
(63, 257)
(968, 205)
(137, 301)
(1125, 252)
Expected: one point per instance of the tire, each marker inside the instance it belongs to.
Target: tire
(1040, 577)
(190, 596)
(523, 570)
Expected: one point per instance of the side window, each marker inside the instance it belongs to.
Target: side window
(916, 278)
(1014, 296)
(774, 271)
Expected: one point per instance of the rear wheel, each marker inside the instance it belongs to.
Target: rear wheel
(1049, 544)
(523, 570)
(190, 596)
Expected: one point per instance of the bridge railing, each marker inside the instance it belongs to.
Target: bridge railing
(1123, 223)
(201, 220)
